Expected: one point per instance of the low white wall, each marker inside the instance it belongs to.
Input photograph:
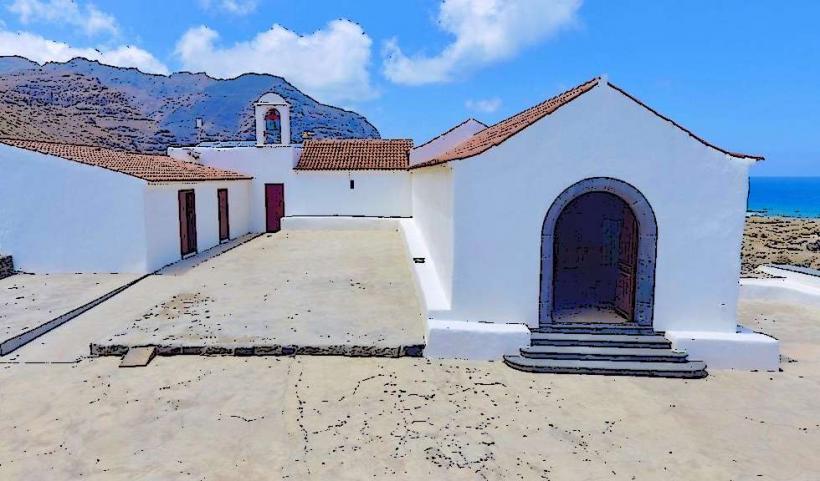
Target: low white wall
(474, 340)
(789, 287)
(743, 349)
(339, 223)
(62, 216)
(433, 215)
(428, 283)
(162, 217)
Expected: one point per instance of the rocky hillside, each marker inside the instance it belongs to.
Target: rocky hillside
(86, 102)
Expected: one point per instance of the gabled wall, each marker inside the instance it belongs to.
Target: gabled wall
(501, 197)
(445, 141)
(62, 216)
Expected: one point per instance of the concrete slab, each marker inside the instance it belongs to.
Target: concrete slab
(330, 418)
(138, 356)
(33, 304)
(318, 292)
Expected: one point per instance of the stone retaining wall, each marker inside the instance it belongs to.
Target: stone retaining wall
(6, 266)
(267, 350)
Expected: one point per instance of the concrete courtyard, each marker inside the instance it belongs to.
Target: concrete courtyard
(323, 291)
(211, 418)
(28, 301)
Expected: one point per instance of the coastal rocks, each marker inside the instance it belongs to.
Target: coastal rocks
(780, 240)
(6, 266)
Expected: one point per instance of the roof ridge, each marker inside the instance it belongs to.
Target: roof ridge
(150, 168)
(738, 155)
(360, 140)
(76, 144)
(564, 97)
(554, 97)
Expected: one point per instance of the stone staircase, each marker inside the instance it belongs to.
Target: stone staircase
(608, 349)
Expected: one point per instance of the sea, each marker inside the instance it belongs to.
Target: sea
(785, 196)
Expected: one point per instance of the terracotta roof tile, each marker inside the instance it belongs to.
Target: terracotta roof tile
(498, 133)
(355, 154)
(153, 168)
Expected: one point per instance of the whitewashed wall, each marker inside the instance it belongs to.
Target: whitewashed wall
(502, 196)
(62, 216)
(310, 193)
(433, 213)
(375, 193)
(162, 217)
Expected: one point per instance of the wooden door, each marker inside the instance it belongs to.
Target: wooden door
(274, 206)
(224, 225)
(187, 222)
(627, 266)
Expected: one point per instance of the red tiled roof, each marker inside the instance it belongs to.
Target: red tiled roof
(153, 168)
(498, 133)
(355, 154)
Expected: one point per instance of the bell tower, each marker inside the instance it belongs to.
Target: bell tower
(272, 115)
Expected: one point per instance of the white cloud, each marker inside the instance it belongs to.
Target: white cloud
(41, 50)
(236, 7)
(484, 105)
(87, 18)
(485, 31)
(330, 64)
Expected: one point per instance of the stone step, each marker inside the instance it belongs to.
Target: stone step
(603, 353)
(596, 328)
(599, 340)
(688, 370)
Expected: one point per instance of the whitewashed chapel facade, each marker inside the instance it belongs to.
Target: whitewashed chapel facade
(588, 204)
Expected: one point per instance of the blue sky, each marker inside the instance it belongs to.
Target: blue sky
(743, 74)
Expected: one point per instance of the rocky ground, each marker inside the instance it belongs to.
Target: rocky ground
(780, 240)
(342, 418)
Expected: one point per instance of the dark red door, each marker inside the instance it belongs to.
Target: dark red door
(627, 266)
(224, 225)
(274, 206)
(187, 222)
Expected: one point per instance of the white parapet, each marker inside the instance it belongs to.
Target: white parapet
(339, 223)
(791, 285)
(427, 281)
(744, 349)
(474, 340)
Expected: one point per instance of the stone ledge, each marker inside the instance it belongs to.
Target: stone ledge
(99, 350)
(744, 349)
(474, 340)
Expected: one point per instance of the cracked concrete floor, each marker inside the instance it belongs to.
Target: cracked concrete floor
(340, 418)
(29, 300)
(310, 288)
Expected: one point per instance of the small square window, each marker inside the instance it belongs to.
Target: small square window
(352, 184)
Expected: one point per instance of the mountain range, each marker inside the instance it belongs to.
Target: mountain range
(83, 101)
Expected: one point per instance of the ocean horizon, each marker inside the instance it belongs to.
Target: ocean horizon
(784, 196)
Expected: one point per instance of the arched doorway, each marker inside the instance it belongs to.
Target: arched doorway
(598, 252)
